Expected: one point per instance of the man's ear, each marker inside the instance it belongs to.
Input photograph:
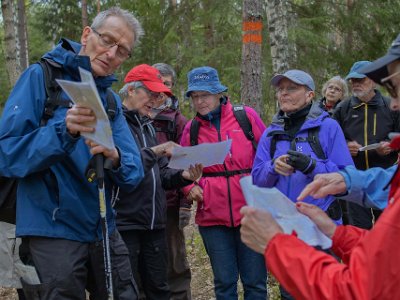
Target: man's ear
(310, 96)
(85, 34)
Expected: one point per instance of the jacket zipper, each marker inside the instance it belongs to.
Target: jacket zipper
(366, 134)
(153, 199)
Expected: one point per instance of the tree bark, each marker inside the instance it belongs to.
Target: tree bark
(12, 63)
(251, 84)
(85, 21)
(22, 35)
(283, 52)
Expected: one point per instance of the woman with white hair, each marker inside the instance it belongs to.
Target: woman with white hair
(333, 91)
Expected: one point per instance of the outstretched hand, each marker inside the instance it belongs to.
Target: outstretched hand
(164, 149)
(324, 185)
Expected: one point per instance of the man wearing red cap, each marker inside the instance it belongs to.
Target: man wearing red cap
(371, 268)
(141, 214)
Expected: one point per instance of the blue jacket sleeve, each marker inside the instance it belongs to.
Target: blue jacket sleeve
(368, 188)
(263, 172)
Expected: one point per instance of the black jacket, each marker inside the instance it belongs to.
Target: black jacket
(145, 207)
(368, 123)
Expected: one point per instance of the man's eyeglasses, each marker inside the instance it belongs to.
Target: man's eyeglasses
(108, 42)
(389, 86)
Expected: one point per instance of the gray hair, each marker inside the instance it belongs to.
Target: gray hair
(341, 82)
(125, 15)
(123, 92)
(166, 70)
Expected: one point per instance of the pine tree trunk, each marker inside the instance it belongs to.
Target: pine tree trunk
(12, 64)
(251, 84)
(22, 35)
(85, 21)
(282, 51)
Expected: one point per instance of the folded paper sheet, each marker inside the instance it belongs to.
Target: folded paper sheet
(284, 212)
(85, 93)
(207, 154)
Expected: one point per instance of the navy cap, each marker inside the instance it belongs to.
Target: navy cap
(377, 70)
(354, 71)
(204, 79)
(297, 76)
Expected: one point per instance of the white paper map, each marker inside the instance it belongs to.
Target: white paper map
(370, 147)
(284, 212)
(207, 154)
(85, 93)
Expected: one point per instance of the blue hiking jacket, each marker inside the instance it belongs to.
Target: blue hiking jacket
(333, 144)
(54, 198)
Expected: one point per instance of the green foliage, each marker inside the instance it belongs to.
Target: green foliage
(328, 34)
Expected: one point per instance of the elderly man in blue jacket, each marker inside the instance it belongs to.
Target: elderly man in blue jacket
(57, 208)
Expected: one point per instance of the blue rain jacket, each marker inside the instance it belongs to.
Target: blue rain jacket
(54, 198)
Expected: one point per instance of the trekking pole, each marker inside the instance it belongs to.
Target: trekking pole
(104, 228)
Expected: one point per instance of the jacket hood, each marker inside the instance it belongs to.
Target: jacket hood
(314, 118)
(66, 54)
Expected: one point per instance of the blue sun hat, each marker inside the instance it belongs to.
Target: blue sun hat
(204, 79)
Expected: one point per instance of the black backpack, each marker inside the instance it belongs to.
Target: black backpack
(51, 72)
(241, 118)
(312, 139)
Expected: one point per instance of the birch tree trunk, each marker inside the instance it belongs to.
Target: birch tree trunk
(22, 35)
(12, 63)
(251, 84)
(283, 52)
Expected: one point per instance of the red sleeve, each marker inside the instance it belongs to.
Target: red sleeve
(371, 270)
(345, 239)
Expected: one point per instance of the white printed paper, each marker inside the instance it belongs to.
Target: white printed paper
(85, 93)
(284, 212)
(370, 147)
(207, 154)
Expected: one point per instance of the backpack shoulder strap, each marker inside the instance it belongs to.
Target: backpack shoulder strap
(194, 132)
(275, 136)
(313, 140)
(244, 122)
(111, 105)
(51, 72)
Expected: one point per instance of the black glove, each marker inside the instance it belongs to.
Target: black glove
(300, 161)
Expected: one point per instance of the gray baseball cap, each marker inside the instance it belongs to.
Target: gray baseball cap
(297, 76)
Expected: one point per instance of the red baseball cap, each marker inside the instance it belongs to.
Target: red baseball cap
(150, 77)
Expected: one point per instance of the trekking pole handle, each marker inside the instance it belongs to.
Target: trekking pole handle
(100, 169)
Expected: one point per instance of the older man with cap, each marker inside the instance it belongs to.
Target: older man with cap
(301, 141)
(370, 268)
(141, 213)
(366, 119)
(218, 193)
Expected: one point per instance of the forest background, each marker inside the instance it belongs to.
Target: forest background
(322, 37)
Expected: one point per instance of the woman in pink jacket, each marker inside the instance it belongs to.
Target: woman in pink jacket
(218, 193)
